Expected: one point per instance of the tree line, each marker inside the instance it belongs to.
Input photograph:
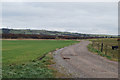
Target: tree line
(37, 36)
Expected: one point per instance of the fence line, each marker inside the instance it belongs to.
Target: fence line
(105, 49)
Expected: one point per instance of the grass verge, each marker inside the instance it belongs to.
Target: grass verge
(34, 69)
(95, 51)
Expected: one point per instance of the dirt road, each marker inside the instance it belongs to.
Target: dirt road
(78, 62)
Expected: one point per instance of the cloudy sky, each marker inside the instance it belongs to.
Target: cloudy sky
(82, 17)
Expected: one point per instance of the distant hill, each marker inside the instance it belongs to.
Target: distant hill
(45, 32)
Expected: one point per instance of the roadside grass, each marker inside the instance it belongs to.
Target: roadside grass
(21, 58)
(90, 48)
(107, 52)
(36, 69)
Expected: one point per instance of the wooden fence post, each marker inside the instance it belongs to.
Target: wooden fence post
(105, 49)
(102, 47)
(98, 46)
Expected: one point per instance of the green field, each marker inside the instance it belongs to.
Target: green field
(107, 51)
(21, 57)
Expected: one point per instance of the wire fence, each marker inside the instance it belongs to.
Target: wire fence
(109, 50)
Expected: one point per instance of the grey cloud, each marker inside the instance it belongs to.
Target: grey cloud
(74, 17)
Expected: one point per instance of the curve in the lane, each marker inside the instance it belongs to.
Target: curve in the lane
(78, 61)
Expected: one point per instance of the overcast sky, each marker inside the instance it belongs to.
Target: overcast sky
(82, 17)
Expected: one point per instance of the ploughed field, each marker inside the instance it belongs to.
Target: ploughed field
(23, 58)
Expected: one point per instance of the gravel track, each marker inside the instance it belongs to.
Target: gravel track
(77, 62)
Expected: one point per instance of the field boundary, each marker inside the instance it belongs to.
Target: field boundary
(98, 52)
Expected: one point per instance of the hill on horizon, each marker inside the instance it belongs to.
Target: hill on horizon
(46, 32)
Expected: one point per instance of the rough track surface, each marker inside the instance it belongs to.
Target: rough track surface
(78, 62)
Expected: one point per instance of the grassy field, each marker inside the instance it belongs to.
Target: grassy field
(107, 52)
(21, 57)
